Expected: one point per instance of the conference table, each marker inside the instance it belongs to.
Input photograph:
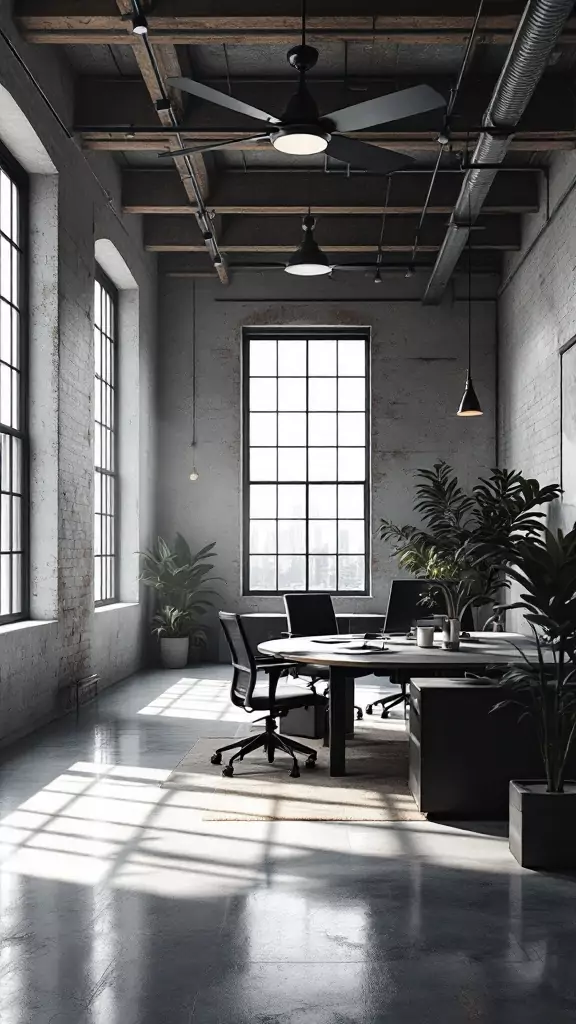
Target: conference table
(392, 655)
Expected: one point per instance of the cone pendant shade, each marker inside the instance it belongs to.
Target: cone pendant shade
(308, 260)
(469, 406)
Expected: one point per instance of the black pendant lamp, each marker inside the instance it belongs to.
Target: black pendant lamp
(308, 260)
(469, 406)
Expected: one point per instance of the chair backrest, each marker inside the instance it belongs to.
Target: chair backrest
(405, 606)
(310, 614)
(243, 663)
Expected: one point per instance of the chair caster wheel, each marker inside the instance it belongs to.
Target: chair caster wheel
(295, 772)
(310, 762)
(228, 770)
(369, 709)
(216, 759)
(359, 715)
(385, 714)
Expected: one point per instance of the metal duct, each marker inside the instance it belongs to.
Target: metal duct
(540, 28)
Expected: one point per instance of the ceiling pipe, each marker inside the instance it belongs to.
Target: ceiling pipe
(538, 32)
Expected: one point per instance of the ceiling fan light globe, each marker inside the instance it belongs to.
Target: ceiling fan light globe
(300, 140)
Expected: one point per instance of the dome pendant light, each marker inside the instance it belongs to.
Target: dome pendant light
(469, 406)
(139, 24)
(308, 260)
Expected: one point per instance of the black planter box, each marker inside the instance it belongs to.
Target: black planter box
(543, 825)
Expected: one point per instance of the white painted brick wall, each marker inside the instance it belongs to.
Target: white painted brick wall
(537, 317)
(38, 660)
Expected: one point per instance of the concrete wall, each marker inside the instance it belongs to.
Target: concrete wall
(75, 202)
(418, 370)
(537, 320)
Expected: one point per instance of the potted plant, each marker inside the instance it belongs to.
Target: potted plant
(467, 540)
(543, 812)
(180, 581)
(173, 629)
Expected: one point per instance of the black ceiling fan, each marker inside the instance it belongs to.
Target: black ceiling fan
(301, 130)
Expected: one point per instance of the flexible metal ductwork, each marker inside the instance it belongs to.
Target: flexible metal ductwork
(538, 32)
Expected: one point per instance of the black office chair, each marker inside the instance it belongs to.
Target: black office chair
(246, 692)
(404, 609)
(313, 615)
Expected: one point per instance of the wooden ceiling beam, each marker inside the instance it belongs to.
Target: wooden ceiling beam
(140, 142)
(334, 234)
(113, 114)
(265, 193)
(157, 64)
(171, 23)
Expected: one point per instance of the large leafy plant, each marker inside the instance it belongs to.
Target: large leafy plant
(545, 570)
(180, 581)
(466, 539)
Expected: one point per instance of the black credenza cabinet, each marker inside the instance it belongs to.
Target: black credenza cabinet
(463, 754)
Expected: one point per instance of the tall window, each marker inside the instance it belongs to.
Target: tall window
(306, 514)
(13, 475)
(105, 563)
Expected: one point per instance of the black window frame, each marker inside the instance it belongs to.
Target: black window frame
(272, 331)
(20, 178)
(107, 285)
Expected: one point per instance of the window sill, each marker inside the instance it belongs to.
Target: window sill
(116, 607)
(13, 627)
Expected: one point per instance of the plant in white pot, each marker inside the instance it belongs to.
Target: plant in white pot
(543, 811)
(180, 581)
(175, 630)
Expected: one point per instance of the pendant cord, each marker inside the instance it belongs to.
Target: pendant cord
(384, 212)
(303, 22)
(469, 288)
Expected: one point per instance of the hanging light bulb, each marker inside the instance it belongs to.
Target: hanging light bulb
(194, 474)
(377, 276)
(308, 260)
(469, 406)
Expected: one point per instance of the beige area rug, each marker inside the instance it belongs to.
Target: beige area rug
(375, 788)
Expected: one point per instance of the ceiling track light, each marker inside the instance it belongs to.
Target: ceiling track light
(308, 260)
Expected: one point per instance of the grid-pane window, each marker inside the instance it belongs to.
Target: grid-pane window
(306, 461)
(13, 483)
(104, 441)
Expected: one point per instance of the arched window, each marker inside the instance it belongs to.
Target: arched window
(13, 381)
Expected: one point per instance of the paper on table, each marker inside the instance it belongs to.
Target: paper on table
(368, 647)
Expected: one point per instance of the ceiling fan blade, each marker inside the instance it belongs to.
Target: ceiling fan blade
(393, 107)
(209, 145)
(204, 92)
(363, 155)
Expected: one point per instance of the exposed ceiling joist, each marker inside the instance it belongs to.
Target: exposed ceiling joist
(262, 192)
(147, 142)
(117, 102)
(172, 23)
(334, 234)
(157, 65)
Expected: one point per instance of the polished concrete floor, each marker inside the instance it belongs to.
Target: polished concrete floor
(119, 906)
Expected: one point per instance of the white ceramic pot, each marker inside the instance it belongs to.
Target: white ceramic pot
(174, 651)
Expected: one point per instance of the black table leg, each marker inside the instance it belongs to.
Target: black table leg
(338, 687)
(350, 715)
